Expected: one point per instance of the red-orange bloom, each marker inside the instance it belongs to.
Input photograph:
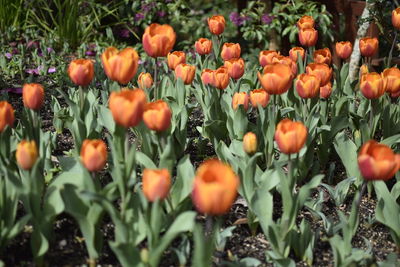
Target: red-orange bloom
(94, 154)
(344, 49)
(308, 37)
(307, 85)
(203, 46)
(377, 161)
(158, 40)
(287, 61)
(157, 116)
(259, 97)
(391, 78)
(120, 66)
(368, 46)
(372, 85)
(295, 51)
(326, 90)
(175, 58)
(230, 50)
(214, 188)
(290, 136)
(221, 78)
(323, 71)
(323, 56)
(396, 18)
(156, 184)
(276, 79)
(185, 72)
(81, 71)
(6, 115)
(250, 143)
(207, 76)
(33, 95)
(305, 22)
(265, 57)
(216, 24)
(145, 81)
(235, 67)
(27, 154)
(240, 99)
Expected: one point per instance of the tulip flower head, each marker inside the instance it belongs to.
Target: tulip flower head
(81, 71)
(175, 58)
(230, 50)
(326, 90)
(308, 85)
(323, 56)
(145, 81)
(321, 70)
(207, 76)
(287, 61)
(94, 154)
(235, 67)
(372, 85)
(240, 99)
(259, 97)
(27, 154)
(344, 49)
(391, 77)
(6, 115)
(265, 57)
(203, 46)
(295, 52)
(216, 24)
(396, 18)
(290, 136)
(120, 66)
(156, 184)
(157, 116)
(305, 22)
(308, 37)
(185, 72)
(276, 79)
(33, 95)
(250, 143)
(368, 46)
(221, 78)
(158, 40)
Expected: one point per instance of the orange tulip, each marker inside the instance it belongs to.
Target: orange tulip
(326, 90)
(156, 184)
(363, 70)
(33, 95)
(344, 49)
(185, 72)
(94, 154)
(259, 97)
(230, 50)
(175, 58)
(391, 78)
(221, 78)
(396, 18)
(290, 136)
(305, 22)
(372, 85)
(276, 79)
(308, 37)
(265, 57)
(377, 161)
(157, 116)
(81, 71)
(120, 66)
(216, 24)
(240, 99)
(203, 46)
(250, 143)
(286, 61)
(368, 46)
(307, 85)
(214, 188)
(295, 51)
(158, 40)
(323, 56)
(207, 76)
(321, 70)
(145, 81)
(235, 67)
(127, 106)
(6, 115)
(26, 154)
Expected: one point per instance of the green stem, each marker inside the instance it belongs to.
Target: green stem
(81, 100)
(371, 120)
(362, 191)
(155, 79)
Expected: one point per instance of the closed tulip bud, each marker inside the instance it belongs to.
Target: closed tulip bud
(308, 37)
(235, 67)
(396, 18)
(372, 85)
(276, 79)
(391, 78)
(203, 46)
(230, 50)
(214, 188)
(185, 72)
(344, 49)
(326, 90)
(363, 70)
(120, 66)
(221, 78)
(175, 58)
(94, 154)
(156, 184)
(377, 161)
(6, 115)
(158, 40)
(33, 95)
(26, 154)
(368, 46)
(305, 22)
(145, 81)
(240, 99)
(207, 76)
(157, 116)
(323, 56)
(321, 70)
(307, 85)
(259, 97)
(265, 57)
(286, 61)
(290, 136)
(216, 24)
(127, 106)
(250, 143)
(295, 52)
(81, 71)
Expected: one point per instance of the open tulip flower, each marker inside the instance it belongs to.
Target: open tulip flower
(308, 85)
(391, 77)
(6, 115)
(216, 24)
(326, 90)
(290, 136)
(81, 71)
(265, 57)
(323, 56)
(372, 85)
(241, 98)
(287, 61)
(175, 58)
(203, 46)
(157, 116)
(369, 46)
(94, 154)
(120, 66)
(396, 18)
(185, 72)
(306, 22)
(221, 78)
(158, 40)
(207, 77)
(308, 37)
(344, 49)
(230, 50)
(295, 51)
(156, 184)
(259, 97)
(145, 81)
(321, 70)
(276, 79)
(235, 67)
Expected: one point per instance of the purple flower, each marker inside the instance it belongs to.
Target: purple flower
(90, 53)
(8, 55)
(51, 70)
(237, 19)
(49, 50)
(16, 90)
(139, 16)
(161, 13)
(266, 18)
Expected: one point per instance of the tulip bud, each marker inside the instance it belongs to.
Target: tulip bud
(363, 70)
(308, 37)
(33, 95)
(307, 85)
(276, 79)
(94, 154)
(305, 22)
(377, 161)
(214, 187)
(221, 78)
(158, 40)
(344, 49)
(156, 184)
(265, 57)
(127, 106)
(240, 99)
(185, 72)
(290, 136)
(203, 46)
(216, 24)
(295, 51)
(157, 116)
(321, 70)
(230, 50)
(120, 66)
(396, 18)
(235, 67)
(81, 71)
(207, 76)
(372, 85)
(145, 81)
(391, 79)
(323, 56)
(250, 143)
(175, 58)
(326, 90)
(259, 97)
(368, 46)
(6, 115)
(26, 154)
